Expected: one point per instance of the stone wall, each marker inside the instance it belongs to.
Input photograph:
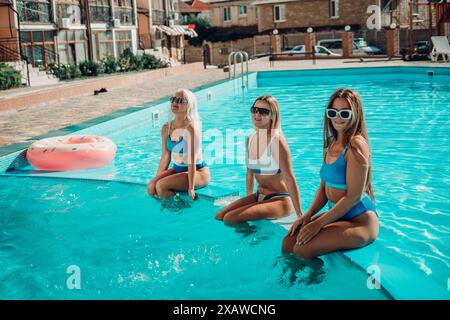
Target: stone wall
(253, 46)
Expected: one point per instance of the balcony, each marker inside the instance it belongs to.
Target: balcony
(72, 11)
(100, 14)
(175, 16)
(37, 11)
(125, 14)
(158, 17)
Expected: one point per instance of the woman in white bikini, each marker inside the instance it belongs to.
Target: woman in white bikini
(269, 162)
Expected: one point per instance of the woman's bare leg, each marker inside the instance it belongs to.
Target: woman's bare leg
(266, 209)
(239, 203)
(339, 235)
(166, 187)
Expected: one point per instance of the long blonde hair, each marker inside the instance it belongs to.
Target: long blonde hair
(192, 109)
(356, 127)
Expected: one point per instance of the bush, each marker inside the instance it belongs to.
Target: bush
(64, 71)
(110, 65)
(150, 61)
(130, 61)
(74, 71)
(9, 77)
(90, 68)
(124, 64)
(217, 34)
(61, 71)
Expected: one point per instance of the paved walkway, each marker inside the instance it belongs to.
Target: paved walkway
(18, 125)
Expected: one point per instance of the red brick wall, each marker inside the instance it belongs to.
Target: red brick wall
(315, 13)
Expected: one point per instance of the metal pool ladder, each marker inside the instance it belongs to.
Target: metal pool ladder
(232, 60)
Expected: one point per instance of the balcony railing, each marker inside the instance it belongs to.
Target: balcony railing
(37, 11)
(100, 14)
(72, 11)
(126, 15)
(175, 16)
(158, 17)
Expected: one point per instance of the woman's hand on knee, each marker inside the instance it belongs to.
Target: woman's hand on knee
(220, 215)
(151, 188)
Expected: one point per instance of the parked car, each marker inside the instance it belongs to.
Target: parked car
(421, 51)
(259, 55)
(319, 50)
(360, 47)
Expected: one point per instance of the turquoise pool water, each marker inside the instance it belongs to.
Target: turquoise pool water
(129, 246)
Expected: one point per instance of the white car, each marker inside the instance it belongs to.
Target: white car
(360, 46)
(320, 51)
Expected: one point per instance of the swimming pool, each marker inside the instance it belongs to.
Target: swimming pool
(129, 246)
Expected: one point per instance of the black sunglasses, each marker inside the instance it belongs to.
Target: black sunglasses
(177, 100)
(261, 111)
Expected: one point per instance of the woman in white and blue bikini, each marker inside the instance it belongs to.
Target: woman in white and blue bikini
(181, 142)
(269, 162)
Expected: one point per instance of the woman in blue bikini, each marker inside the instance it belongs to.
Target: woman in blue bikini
(351, 221)
(269, 162)
(181, 142)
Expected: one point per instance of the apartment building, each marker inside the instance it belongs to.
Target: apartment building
(68, 31)
(231, 13)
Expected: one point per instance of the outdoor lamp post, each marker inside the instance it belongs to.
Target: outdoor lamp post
(310, 45)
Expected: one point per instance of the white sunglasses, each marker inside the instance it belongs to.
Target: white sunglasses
(344, 114)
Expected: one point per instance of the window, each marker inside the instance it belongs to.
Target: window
(69, 9)
(256, 13)
(123, 10)
(72, 46)
(123, 41)
(279, 13)
(102, 45)
(100, 11)
(334, 8)
(242, 10)
(415, 7)
(227, 14)
(39, 47)
(387, 5)
(34, 11)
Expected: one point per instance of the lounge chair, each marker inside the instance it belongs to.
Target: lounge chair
(440, 48)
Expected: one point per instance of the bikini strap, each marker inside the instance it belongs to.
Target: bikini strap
(345, 150)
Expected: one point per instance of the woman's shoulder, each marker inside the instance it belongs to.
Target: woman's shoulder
(359, 147)
(359, 142)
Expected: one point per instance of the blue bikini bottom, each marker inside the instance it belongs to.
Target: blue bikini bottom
(365, 204)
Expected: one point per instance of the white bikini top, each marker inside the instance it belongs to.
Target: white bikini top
(266, 164)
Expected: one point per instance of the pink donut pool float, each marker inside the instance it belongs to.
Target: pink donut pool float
(71, 153)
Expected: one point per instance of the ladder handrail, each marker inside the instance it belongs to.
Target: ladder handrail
(233, 56)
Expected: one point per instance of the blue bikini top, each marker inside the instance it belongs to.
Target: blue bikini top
(334, 174)
(177, 147)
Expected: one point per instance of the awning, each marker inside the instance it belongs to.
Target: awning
(167, 30)
(177, 30)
